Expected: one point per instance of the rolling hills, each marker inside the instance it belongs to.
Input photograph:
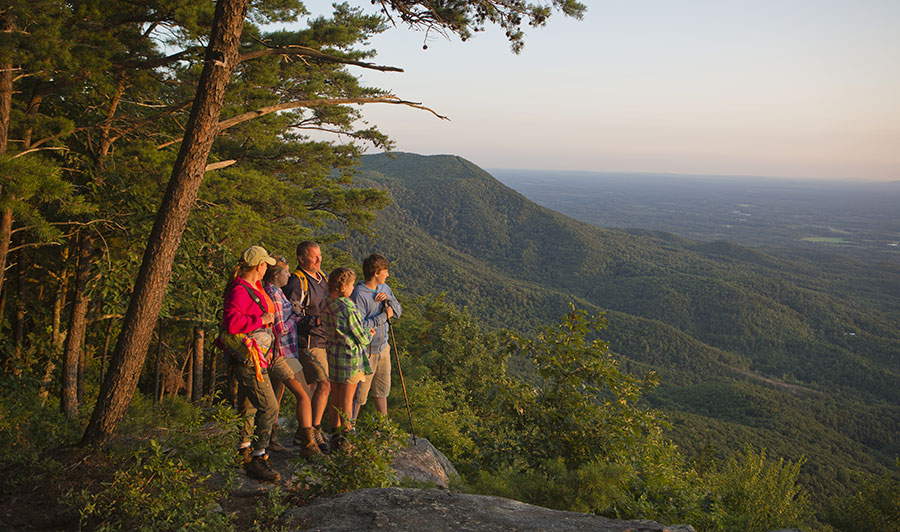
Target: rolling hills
(798, 353)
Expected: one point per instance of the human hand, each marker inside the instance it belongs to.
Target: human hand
(372, 331)
(390, 312)
(268, 318)
(380, 296)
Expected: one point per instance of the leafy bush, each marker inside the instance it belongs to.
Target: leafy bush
(754, 494)
(366, 465)
(156, 491)
(29, 427)
(161, 482)
(875, 506)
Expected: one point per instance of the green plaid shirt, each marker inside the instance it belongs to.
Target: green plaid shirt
(347, 340)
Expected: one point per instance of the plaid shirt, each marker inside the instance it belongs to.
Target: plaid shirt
(285, 326)
(347, 340)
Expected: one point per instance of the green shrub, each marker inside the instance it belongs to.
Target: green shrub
(367, 465)
(166, 454)
(875, 506)
(754, 494)
(155, 491)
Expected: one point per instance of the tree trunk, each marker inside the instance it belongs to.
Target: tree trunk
(105, 349)
(146, 300)
(197, 389)
(211, 381)
(59, 302)
(6, 90)
(157, 392)
(19, 334)
(77, 328)
(189, 362)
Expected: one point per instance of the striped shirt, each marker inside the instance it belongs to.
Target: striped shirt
(347, 340)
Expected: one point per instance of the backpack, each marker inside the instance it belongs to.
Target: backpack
(301, 306)
(233, 346)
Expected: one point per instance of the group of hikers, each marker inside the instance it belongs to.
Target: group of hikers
(279, 327)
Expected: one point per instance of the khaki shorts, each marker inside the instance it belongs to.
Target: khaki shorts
(281, 369)
(358, 378)
(315, 364)
(379, 383)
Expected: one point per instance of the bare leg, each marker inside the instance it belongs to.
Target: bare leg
(334, 413)
(278, 389)
(380, 404)
(341, 404)
(320, 400)
(304, 407)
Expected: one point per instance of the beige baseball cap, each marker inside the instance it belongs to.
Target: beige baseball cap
(254, 255)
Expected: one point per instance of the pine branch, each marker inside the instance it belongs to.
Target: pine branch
(303, 51)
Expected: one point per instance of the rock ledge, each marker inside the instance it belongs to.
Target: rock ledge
(438, 511)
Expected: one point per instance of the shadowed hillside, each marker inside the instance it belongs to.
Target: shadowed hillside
(797, 353)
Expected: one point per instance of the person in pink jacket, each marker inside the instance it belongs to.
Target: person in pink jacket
(249, 341)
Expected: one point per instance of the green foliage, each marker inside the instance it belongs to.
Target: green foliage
(267, 516)
(366, 465)
(155, 491)
(875, 505)
(754, 494)
(29, 429)
(162, 483)
(591, 405)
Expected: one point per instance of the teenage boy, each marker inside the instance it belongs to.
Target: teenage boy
(307, 290)
(376, 304)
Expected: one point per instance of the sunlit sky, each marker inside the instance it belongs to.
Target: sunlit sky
(795, 88)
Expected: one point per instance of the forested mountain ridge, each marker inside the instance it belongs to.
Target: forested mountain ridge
(728, 329)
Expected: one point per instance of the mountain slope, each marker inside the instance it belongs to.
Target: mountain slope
(763, 327)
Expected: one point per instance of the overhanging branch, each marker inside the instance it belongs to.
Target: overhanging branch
(303, 51)
(321, 102)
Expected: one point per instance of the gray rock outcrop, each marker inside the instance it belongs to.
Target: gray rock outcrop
(432, 510)
(422, 462)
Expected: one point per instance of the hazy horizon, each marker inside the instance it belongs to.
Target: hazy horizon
(800, 89)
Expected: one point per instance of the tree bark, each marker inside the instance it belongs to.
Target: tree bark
(62, 289)
(197, 381)
(211, 381)
(105, 350)
(19, 334)
(157, 393)
(77, 328)
(6, 90)
(189, 362)
(146, 300)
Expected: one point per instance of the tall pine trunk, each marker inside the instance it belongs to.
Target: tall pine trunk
(19, 332)
(59, 302)
(197, 380)
(77, 327)
(8, 24)
(146, 300)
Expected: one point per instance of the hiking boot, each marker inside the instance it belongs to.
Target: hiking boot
(274, 444)
(258, 468)
(321, 439)
(339, 442)
(306, 440)
(243, 455)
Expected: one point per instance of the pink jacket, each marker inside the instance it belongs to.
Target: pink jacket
(241, 313)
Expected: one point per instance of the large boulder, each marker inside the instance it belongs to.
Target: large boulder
(421, 462)
(439, 510)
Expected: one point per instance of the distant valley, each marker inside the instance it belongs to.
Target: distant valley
(857, 218)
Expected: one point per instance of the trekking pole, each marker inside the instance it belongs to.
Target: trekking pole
(402, 384)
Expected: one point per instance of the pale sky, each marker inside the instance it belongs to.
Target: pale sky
(795, 88)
